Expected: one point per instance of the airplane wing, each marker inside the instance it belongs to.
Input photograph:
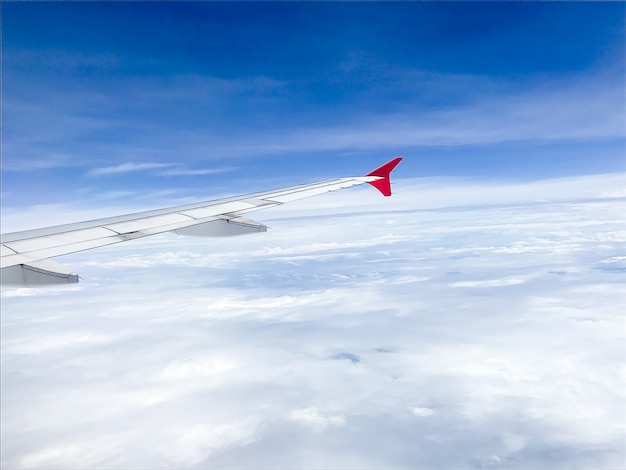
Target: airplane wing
(25, 255)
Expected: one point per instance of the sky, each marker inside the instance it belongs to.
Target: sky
(107, 103)
(472, 320)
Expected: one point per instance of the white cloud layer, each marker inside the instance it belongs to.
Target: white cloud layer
(383, 334)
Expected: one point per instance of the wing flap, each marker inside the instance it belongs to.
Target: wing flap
(51, 252)
(147, 223)
(6, 251)
(223, 227)
(213, 210)
(59, 239)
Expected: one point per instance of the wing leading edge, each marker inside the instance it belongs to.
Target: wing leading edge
(25, 255)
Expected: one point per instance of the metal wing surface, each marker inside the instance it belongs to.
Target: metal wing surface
(25, 255)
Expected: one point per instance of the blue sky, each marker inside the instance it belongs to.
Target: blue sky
(103, 101)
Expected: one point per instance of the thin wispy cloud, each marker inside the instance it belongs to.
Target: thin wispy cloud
(194, 172)
(577, 111)
(48, 161)
(110, 195)
(164, 169)
(127, 168)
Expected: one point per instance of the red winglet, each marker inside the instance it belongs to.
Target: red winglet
(384, 184)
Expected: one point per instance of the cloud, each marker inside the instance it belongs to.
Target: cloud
(108, 195)
(194, 172)
(316, 418)
(126, 168)
(423, 411)
(582, 108)
(353, 358)
(51, 161)
(165, 169)
(221, 351)
(574, 113)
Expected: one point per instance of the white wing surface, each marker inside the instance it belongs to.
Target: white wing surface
(25, 255)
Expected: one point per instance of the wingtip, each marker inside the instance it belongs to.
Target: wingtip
(384, 184)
